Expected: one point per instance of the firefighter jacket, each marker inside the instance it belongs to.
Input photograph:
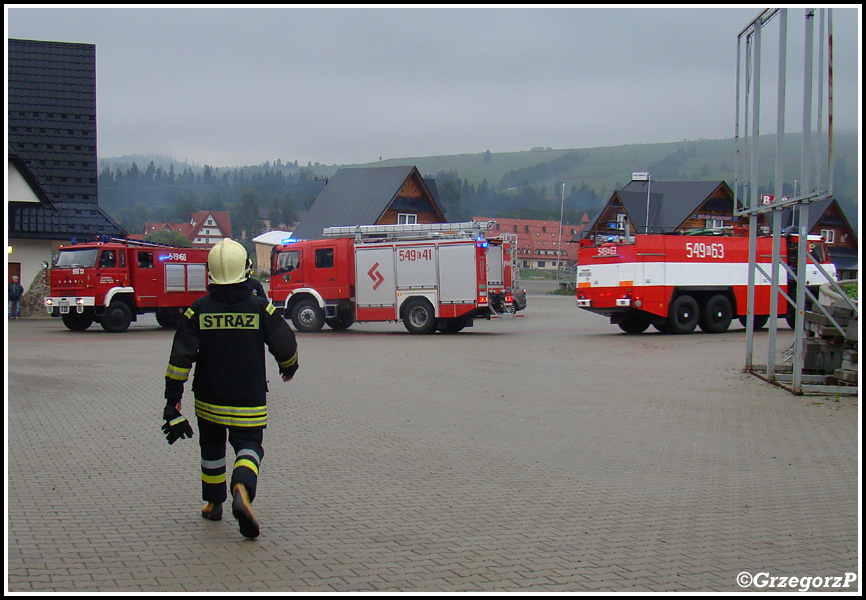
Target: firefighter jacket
(225, 333)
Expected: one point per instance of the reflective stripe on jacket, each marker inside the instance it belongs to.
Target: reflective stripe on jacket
(225, 334)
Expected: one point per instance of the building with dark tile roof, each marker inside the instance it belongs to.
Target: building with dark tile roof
(371, 196)
(52, 165)
(665, 207)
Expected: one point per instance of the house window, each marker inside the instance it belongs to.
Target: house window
(406, 219)
(829, 235)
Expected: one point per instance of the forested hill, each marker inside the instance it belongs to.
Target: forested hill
(134, 190)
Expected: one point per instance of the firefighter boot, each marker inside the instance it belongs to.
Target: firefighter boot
(243, 512)
(212, 511)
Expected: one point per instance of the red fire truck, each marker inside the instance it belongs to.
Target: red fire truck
(677, 282)
(113, 281)
(429, 276)
(504, 293)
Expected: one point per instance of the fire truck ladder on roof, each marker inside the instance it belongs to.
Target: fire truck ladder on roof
(409, 231)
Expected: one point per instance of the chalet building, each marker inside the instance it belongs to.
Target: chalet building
(371, 196)
(204, 229)
(665, 207)
(539, 243)
(51, 182)
(827, 219)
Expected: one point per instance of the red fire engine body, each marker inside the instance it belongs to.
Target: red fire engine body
(113, 282)
(677, 282)
(428, 276)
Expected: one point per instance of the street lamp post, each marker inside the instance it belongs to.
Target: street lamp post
(643, 176)
(559, 245)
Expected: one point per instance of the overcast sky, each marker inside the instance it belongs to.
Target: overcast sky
(238, 86)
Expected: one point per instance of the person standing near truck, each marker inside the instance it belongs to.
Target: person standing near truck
(15, 293)
(225, 333)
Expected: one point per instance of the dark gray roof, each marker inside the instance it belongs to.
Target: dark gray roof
(52, 137)
(356, 196)
(670, 203)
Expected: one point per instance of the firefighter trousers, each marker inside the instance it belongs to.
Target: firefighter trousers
(247, 444)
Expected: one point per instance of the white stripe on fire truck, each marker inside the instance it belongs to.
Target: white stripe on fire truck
(675, 274)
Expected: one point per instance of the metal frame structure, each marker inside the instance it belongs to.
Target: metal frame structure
(811, 191)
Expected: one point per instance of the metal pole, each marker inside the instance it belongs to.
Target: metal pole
(737, 157)
(820, 116)
(797, 383)
(559, 246)
(830, 101)
(779, 179)
(649, 183)
(753, 191)
(803, 209)
(805, 162)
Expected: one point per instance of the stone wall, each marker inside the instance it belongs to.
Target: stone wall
(33, 300)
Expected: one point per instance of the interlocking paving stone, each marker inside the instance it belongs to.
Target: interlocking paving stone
(549, 453)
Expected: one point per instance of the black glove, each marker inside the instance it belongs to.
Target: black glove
(175, 426)
(289, 371)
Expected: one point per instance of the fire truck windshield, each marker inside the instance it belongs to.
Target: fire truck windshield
(818, 252)
(66, 259)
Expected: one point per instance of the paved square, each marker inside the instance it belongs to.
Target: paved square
(545, 454)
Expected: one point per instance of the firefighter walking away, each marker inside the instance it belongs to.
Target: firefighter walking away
(225, 334)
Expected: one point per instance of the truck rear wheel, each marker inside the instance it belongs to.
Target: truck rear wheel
(717, 314)
(77, 321)
(683, 315)
(760, 321)
(342, 321)
(117, 317)
(453, 325)
(418, 316)
(307, 317)
(634, 323)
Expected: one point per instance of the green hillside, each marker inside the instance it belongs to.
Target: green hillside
(515, 184)
(608, 168)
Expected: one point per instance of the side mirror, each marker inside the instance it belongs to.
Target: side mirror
(44, 264)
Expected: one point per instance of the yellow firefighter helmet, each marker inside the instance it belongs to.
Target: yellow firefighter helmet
(227, 262)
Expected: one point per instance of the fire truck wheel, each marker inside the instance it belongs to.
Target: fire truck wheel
(683, 315)
(760, 321)
(455, 325)
(341, 322)
(307, 317)
(717, 314)
(418, 316)
(77, 321)
(117, 317)
(634, 323)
